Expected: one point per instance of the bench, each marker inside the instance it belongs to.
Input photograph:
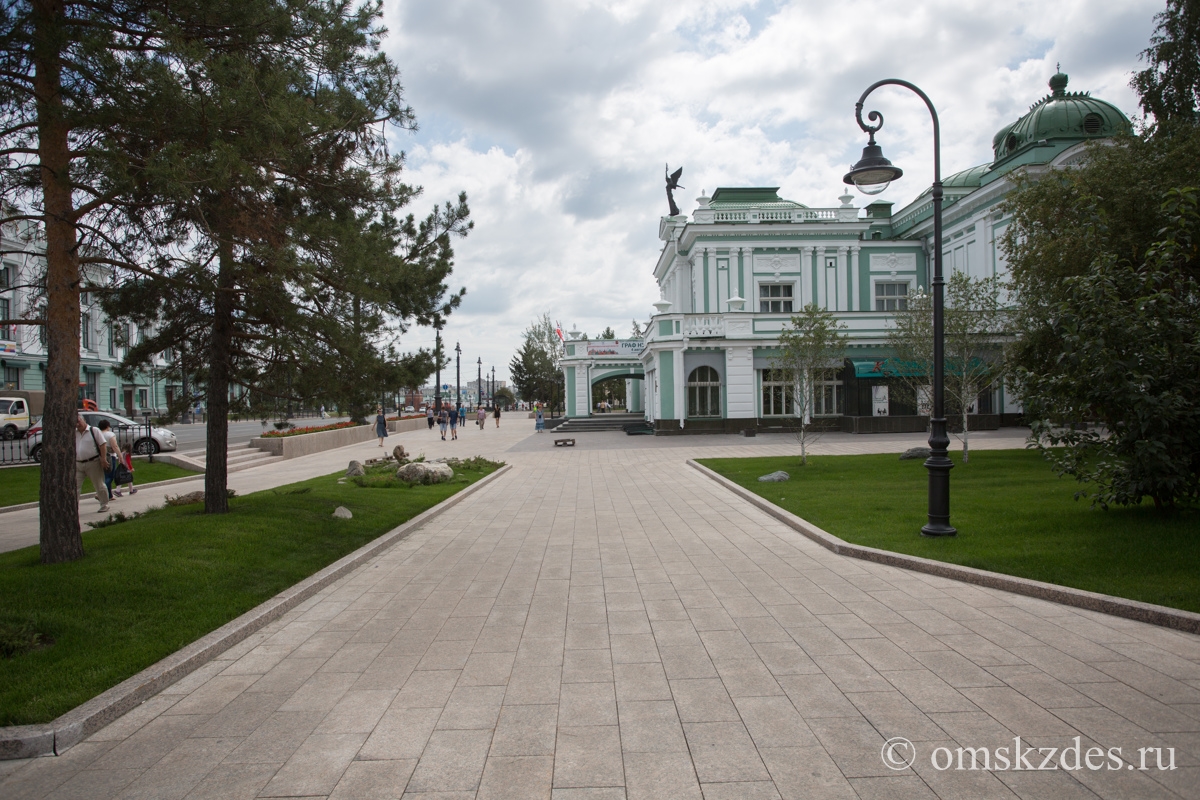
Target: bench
(564, 442)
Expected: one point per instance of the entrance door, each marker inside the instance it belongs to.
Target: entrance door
(129, 403)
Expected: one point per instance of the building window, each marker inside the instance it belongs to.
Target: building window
(43, 337)
(891, 296)
(85, 332)
(143, 398)
(12, 378)
(112, 398)
(775, 298)
(93, 381)
(7, 332)
(827, 395)
(778, 395)
(704, 393)
(6, 276)
(112, 339)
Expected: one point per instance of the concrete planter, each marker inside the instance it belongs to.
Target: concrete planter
(309, 443)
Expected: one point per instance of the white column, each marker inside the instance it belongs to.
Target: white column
(739, 382)
(806, 275)
(583, 389)
(843, 279)
(822, 298)
(852, 284)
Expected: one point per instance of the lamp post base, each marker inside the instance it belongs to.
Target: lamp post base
(939, 465)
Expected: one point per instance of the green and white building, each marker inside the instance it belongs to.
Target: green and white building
(102, 342)
(732, 272)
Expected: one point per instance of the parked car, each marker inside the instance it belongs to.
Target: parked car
(409, 409)
(132, 436)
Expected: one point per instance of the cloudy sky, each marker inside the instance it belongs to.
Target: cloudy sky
(557, 116)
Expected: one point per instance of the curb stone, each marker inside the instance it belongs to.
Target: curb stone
(55, 738)
(140, 486)
(1163, 616)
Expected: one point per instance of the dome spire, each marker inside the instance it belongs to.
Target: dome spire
(1058, 82)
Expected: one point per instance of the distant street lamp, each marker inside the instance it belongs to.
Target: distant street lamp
(479, 380)
(872, 174)
(457, 377)
(437, 358)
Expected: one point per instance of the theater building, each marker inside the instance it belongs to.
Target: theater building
(731, 274)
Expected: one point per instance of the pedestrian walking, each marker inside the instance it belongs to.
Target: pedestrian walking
(322, 411)
(380, 424)
(540, 423)
(443, 421)
(496, 414)
(454, 424)
(429, 416)
(91, 453)
(462, 415)
(481, 416)
(114, 457)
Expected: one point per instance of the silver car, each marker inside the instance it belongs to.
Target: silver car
(133, 436)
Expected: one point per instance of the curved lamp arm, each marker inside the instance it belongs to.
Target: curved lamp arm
(876, 117)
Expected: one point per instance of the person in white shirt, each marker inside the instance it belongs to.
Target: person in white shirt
(91, 454)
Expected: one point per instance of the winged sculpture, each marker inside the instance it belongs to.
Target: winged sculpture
(672, 185)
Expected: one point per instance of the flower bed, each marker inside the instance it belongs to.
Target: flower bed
(308, 429)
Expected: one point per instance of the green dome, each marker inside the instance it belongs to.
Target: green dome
(1060, 115)
(968, 178)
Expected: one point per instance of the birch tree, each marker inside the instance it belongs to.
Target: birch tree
(811, 346)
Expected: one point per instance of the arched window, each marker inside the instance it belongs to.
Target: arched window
(704, 393)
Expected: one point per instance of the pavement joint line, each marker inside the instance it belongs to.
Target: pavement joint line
(168, 482)
(56, 737)
(1162, 616)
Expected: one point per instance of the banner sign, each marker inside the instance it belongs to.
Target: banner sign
(615, 347)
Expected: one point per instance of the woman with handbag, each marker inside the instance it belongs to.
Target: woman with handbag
(114, 455)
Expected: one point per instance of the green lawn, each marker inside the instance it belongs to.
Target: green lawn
(20, 484)
(151, 585)
(1013, 515)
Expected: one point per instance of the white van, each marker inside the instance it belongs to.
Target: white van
(18, 411)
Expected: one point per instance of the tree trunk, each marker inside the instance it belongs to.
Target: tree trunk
(965, 436)
(216, 463)
(60, 537)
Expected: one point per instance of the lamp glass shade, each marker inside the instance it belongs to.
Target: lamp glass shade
(873, 172)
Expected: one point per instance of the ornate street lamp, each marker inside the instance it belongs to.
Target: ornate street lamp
(479, 381)
(457, 377)
(872, 174)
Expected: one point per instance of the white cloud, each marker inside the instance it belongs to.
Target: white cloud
(556, 118)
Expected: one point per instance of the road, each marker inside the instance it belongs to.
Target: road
(192, 436)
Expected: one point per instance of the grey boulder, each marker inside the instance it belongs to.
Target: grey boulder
(775, 477)
(355, 470)
(341, 512)
(425, 472)
(915, 452)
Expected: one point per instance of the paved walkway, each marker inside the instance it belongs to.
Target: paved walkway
(607, 623)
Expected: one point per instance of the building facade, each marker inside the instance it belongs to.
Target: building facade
(731, 274)
(102, 342)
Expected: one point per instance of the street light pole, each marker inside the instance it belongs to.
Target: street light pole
(437, 358)
(457, 377)
(492, 393)
(479, 380)
(871, 171)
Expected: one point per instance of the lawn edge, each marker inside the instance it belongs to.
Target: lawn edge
(56, 737)
(167, 482)
(1163, 616)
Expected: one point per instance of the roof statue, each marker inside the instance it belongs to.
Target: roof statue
(672, 185)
